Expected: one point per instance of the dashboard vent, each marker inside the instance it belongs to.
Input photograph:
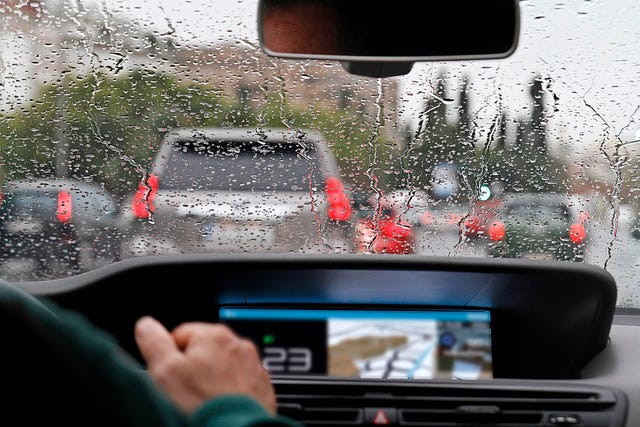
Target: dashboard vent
(365, 402)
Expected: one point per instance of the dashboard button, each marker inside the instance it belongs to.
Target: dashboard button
(563, 420)
(380, 416)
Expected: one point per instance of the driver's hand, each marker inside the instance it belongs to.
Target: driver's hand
(200, 361)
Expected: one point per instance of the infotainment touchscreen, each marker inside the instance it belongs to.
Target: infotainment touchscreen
(411, 344)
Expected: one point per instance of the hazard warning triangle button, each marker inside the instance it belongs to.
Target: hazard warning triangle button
(380, 416)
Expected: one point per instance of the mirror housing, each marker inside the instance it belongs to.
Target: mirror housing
(384, 41)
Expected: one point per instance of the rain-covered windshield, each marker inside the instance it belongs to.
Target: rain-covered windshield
(419, 164)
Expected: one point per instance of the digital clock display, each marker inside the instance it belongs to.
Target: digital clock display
(431, 344)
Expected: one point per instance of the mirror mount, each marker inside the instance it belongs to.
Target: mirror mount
(377, 69)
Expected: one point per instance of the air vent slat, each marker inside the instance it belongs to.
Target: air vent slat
(416, 417)
(331, 416)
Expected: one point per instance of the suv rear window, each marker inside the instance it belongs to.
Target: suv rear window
(241, 166)
(538, 213)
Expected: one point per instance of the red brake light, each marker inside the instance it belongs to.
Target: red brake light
(471, 226)
(577, 233)
(64, 206)
(396, 230)
(497, 231)
(395, 237)
(333, 185)
(142, 203)
(153, 182)
(339, 204)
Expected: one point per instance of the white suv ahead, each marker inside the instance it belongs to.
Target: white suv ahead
(240, 190)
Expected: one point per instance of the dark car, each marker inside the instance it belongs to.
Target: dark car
(538, 226)
(51, 226)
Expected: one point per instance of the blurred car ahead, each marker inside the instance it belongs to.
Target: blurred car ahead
(538, 226)
(54, 227)
(240, 190)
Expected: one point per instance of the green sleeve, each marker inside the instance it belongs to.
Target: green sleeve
(71, 362)
(73, 373)
(237, 411)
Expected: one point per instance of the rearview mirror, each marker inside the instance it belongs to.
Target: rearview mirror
(403, 32)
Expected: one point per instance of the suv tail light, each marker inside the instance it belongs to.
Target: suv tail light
(64, 207)
(142, 204)
(395, 237)
(339, 204)
(497, 231)
(577, 233)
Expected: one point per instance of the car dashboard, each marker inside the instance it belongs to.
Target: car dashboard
(388, 340)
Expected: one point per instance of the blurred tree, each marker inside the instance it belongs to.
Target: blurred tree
(538, 121)
(465, 120)
(519, 162)
(442, 143)
(528, 165)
